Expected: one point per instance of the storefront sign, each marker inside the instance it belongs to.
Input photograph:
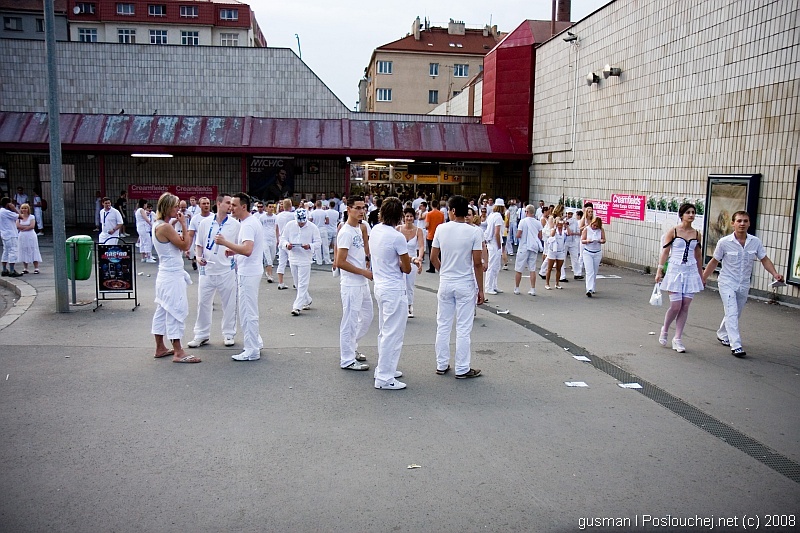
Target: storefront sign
(627, 206)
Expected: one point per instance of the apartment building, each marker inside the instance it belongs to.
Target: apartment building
(178, 22)
(24, 19)
(425, 68)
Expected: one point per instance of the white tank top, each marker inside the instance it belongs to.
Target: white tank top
(170, 258)
(412, 246)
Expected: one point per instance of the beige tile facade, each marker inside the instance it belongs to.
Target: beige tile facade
(706, 87)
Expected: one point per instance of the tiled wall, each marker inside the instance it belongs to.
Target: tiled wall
(707, 87)
(172, 80)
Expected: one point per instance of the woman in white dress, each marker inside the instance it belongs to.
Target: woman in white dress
(144, 229)
(684, 276)
(416, 249)
(28, 247)
(556, 248)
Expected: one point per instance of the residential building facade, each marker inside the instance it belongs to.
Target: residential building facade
(176, 22)
(424, 69)
(24, 19)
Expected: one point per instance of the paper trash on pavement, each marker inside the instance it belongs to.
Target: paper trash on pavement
(575, 384)
(499, 312)
(413, 466)
(581, 358)
(630, 385)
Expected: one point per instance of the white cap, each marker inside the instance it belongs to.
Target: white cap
(500, 202)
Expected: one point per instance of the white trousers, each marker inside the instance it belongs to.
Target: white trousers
(270, 248)
(324, 246)
(456, 302)
(574, 251)
(357, 316)
(283, 259)
(733, 303)
(495, 258)
(10, 254)
(591, 261)
(301, 274)
(207, 286)
(392, 317)
(37, 213)
(511, 240)
(166, 324)
(248, 313)
(410, 278)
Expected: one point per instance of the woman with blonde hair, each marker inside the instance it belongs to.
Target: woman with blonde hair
(28, 242)
(556, 248)
(592, 237)
(172, 306)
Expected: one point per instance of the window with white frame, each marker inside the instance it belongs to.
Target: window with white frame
(126, 36)
(189, 11)
(384, 67)
(158, 36)
(87, 35)
(126, 9)
(229, 14)
(12, 23)
(190, 38)
(85, 8)
(384, 95)
(460, 71)
(433, 69)
(157, 10)
(229, 39)
(433, 97)
(39, 25)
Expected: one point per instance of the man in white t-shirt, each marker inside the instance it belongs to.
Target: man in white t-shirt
(333, 221)
(111, 223)
(319, 217)
(456, 254)
(281, 219)
(351, 260)
(217, 272)
(9, 236)
(193, 208)
(300, 237)
(267, 218)
(494, 244)
(197, 215)
(529, 236)
(418, 200)
(737, 252)
(249, 252)
(390, 261)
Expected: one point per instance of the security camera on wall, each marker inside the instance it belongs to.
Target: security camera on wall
(592, 78)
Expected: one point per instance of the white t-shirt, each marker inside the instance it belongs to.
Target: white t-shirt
(194, 222)
(212, 252)
(8, 223)
(250, 230)
(282, 218)
(352, 239)
(333, 219)
(386, 245)
(529, 240)
(268, 223)
(737, 260)
(456, 242)
(493, 220)
(109, 220)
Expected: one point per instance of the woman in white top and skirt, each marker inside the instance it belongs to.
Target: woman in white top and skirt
(684, 275)
(144, 229)
(172, 305)
(416, 248)
(28, 242)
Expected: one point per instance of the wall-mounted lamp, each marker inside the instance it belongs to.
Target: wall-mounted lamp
(608, 70)
(592, 78)
(570, 37)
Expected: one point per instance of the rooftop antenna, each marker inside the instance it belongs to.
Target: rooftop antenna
(299, 52)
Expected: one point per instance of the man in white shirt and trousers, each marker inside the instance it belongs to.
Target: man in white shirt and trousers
(9, 235)
(300, 238)
(249, 251)
(737, 252)
(456, 254)
(281, 219)
(111, 223)
(351, 260)
(333, 222)
(529, 236)
(217, 273)
(270, 238)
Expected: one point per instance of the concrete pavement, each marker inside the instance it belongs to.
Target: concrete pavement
(99, 436)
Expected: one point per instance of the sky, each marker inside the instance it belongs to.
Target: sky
(337, 37)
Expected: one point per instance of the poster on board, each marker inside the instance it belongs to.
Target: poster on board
(726, 194)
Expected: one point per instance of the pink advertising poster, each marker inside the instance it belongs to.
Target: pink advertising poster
(628, 206)
(602, 209)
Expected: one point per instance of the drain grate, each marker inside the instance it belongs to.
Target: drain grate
(755, 449)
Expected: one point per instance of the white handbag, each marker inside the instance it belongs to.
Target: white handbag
(655, 298)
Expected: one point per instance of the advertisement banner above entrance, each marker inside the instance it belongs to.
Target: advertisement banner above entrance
(184, 192)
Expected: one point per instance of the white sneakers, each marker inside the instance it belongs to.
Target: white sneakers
(491, 291)
(295, 312)
(516, 290)
(196, 342)
(355, 365)
(532, 292)
(228, 340)
(392, 385)
(244, 356)
(410, 311)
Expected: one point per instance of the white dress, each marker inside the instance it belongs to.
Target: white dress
(28, 244)
(682, 275)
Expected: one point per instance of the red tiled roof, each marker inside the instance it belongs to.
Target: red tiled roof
(438, 40)
(60, 6)
(245, 135)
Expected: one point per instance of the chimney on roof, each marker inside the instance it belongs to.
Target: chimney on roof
(564, 10)
(415, 28)
(456, 27)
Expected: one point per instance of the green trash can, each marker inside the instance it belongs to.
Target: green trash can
(82, 262)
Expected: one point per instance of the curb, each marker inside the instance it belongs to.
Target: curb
(26, 295)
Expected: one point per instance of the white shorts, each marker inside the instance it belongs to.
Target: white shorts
(557, 256)
(526, 259)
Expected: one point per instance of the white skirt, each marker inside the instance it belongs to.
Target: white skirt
(28, 249)
(684, 279)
